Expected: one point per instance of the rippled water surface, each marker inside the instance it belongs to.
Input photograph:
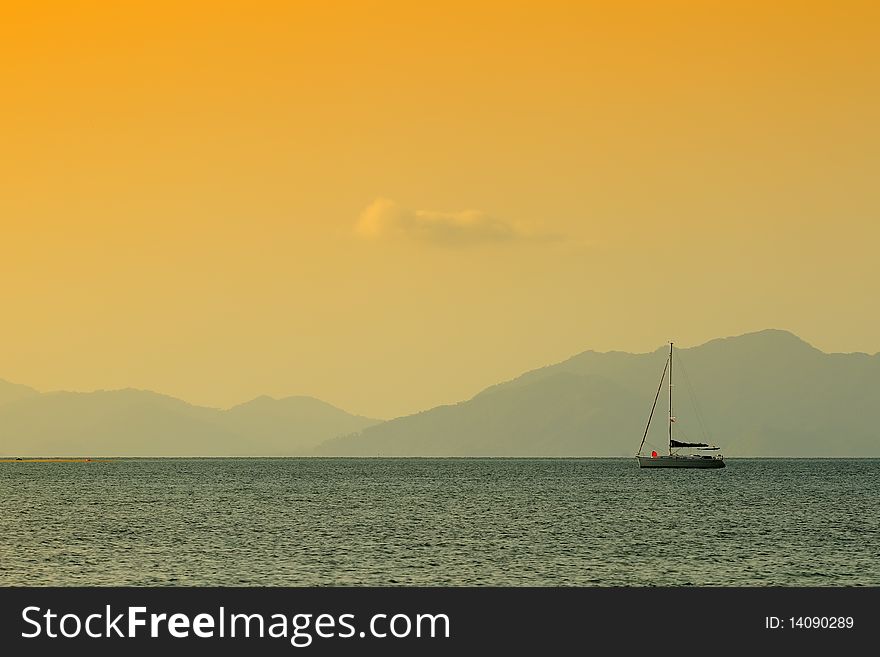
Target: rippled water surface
(583, 522)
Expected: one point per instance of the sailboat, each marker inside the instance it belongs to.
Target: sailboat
(674, 459)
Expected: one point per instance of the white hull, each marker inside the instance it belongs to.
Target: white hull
(676, 461)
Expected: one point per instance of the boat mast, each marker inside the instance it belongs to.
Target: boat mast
(670, 399)
(656, 397)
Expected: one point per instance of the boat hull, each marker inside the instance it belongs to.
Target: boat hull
(680, 462)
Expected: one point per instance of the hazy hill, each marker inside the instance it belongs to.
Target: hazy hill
(142, 423)
(276, 424)
(760, 394)
(13, 392)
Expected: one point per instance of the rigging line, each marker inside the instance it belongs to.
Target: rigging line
(699, 413)
(656, 397)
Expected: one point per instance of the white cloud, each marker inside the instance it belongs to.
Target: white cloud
(385, 218)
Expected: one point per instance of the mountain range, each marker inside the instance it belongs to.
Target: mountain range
(143, 423)
(767, 393)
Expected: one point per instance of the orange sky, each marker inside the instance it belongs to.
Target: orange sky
(391, 206)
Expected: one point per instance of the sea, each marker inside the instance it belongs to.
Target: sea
(439, 522)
